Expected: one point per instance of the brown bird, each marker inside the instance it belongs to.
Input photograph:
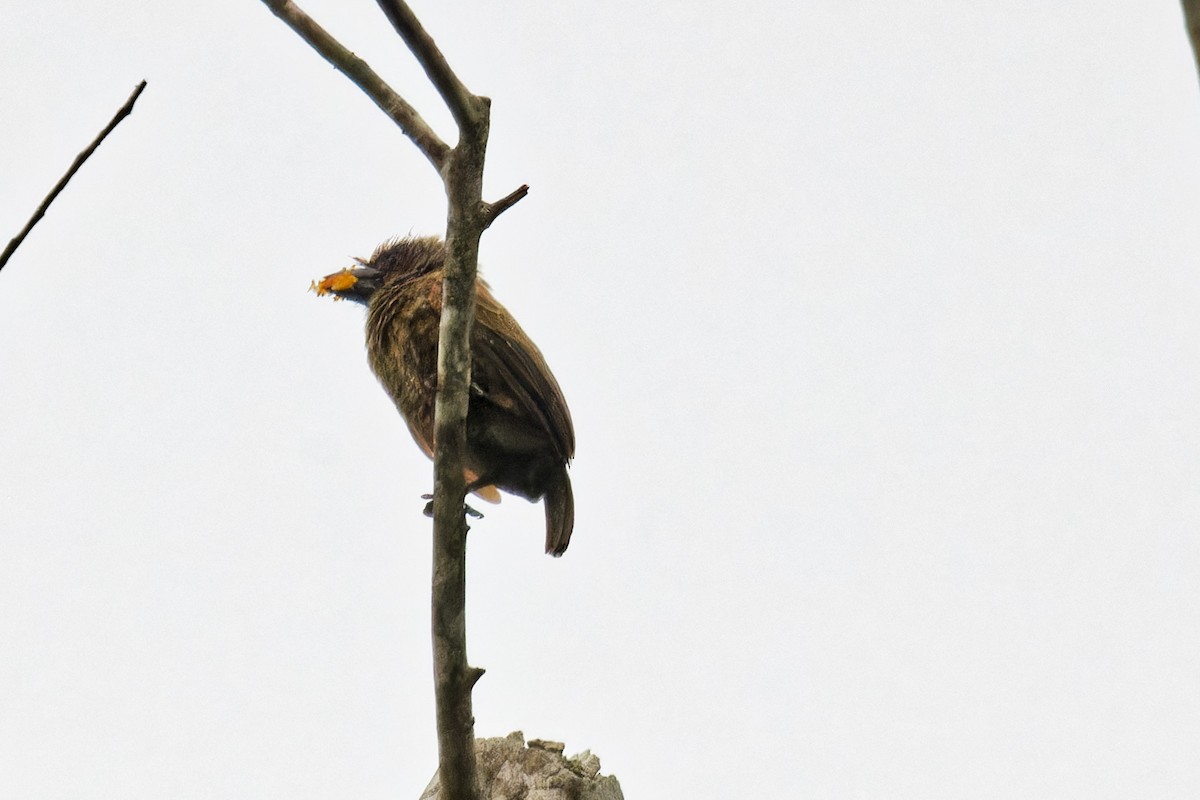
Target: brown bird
(519, 433)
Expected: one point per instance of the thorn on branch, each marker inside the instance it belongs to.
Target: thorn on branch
(493, 210)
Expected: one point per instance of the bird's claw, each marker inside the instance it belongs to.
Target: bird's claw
(470, 512)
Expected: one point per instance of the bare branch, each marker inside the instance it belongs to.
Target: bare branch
(365, 78)
(453, 676)
(461, 170)
(123, 112)
(493, 210)
(468, 109)
(465, 223)
(1191, 16)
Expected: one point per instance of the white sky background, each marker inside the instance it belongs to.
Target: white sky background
(880, 325)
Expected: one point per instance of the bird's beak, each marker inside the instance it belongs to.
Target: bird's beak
(348, 284)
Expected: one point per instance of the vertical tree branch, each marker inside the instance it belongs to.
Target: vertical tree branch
(461, 169)
(453, 676)
(466, 220)
(123, 112)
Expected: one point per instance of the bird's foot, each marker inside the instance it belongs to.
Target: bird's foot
(470, 512)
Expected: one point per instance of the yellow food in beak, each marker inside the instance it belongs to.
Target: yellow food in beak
(337, 282)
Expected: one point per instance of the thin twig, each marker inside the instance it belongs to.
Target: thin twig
(365, 78)
(462, 104)
(493, 210)
(121, 114)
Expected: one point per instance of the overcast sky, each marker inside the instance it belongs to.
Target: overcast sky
(878, 323)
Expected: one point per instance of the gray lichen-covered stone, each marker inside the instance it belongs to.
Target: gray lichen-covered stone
(508, 770)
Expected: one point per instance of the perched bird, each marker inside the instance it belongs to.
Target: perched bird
(519, 433)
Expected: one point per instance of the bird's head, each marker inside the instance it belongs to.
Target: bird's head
(394, 261)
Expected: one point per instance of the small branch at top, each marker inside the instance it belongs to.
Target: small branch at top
(493, 210)
(123, 112)
(462, 103)
(365, 78)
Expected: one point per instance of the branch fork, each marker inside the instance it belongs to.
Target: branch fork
(461, 170)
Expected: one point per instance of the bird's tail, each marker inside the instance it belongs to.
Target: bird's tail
(560, 513)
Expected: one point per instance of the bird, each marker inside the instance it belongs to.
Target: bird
(520, 438)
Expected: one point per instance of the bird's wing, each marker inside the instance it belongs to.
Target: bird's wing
(489, 493)
(511, 371)
(422, 426)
